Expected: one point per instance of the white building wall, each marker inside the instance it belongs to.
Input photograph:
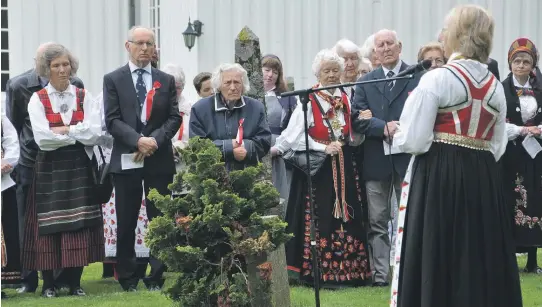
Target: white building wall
(93, 30)
(295, 30)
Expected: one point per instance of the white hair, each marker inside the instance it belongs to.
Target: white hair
(134, 28)
(216, 78)
(368, 47)
(326, 55)
(177, 72)
(386, 31)
(347, 46)
(367, 62)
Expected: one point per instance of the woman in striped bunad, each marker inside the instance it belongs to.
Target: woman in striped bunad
(63, 222)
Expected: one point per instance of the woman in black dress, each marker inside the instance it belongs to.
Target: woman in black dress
(455, 242)
(523, 172)
(341, 237)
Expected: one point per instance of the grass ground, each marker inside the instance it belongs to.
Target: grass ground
(107, 293)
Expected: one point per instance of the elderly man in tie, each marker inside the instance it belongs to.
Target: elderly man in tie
(142, 115)
(382, 172)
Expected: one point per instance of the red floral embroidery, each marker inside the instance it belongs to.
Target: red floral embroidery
(521, 204)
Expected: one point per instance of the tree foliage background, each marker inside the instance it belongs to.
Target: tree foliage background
(207, 236)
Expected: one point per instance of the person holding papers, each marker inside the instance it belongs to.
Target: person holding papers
(11, 264)
(523, 160)
(142, 115)
(63, 222)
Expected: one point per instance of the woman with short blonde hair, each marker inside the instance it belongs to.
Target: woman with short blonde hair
(433, 51)
(461, 37)
(455, 242)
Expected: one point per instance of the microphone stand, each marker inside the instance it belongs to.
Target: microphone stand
(304, 95)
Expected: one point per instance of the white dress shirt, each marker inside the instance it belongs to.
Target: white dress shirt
(147, 80)
(395, 70)
(10, 142)
(86, 132)
(528, 106)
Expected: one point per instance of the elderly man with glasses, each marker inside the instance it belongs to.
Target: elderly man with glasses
(142, 115)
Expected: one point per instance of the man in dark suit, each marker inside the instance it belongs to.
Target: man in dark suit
(385, 101)
(142, 126)
(19, 89)
(493, 67)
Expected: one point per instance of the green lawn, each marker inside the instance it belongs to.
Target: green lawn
(108, 293)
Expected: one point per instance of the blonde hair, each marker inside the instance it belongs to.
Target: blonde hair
(429, 47)
(470, 32)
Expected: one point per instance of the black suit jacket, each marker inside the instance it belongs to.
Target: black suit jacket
(19, 90)
(122, 118)
(386, 106)
(493, 67)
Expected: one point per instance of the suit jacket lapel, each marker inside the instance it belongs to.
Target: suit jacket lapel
(399, 85)
(379, 74)
(128, 84)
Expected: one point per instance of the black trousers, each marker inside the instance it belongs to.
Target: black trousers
(128, 191)
(71, 278)
(23, 179)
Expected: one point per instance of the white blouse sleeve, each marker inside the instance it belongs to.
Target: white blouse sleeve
(46, 139)
(512, 131)
(10, 143)
(90, 129)
(293, 137)
(500, 133)
(415, 131)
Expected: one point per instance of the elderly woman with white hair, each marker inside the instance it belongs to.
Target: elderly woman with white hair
(180, 139)
(336, 193)
(235, 123)
(354, 63)
(368, 51)
(63, 221)
(455, 237)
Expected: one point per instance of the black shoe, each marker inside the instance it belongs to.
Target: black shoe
(49, 293)
(131, 289)
(153, 288)
(381, 284)
(153, 284)
(61, 286)
(4, 296)
(25, 289)
(78, 292)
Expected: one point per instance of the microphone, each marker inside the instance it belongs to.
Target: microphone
(422, 66)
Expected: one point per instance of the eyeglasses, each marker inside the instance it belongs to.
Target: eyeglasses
(140, 44)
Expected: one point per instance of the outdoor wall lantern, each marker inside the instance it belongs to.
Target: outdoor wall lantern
(192, 31)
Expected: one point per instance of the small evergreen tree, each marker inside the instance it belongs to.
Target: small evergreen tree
(207, 236)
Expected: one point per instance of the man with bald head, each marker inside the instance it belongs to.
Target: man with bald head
(142, 126)
(376, 111)
(19, 89)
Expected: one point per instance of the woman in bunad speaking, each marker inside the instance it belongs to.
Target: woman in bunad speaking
(455, 241)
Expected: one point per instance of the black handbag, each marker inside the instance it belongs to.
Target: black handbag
(103, 185)
(298, 159)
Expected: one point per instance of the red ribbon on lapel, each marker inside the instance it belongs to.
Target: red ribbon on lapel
(150, 97)
(181, 130)
(239, 138)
